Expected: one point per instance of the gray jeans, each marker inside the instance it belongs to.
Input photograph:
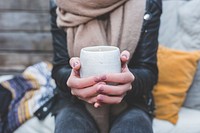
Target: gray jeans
(75, 119)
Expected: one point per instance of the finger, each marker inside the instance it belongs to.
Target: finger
(97, 104)
(124, 56)
(75, 63)
(117, 90)
(109, 99)
(120, 77)
(87, 92)
(75, 73)
(125, 68)
(79, 83)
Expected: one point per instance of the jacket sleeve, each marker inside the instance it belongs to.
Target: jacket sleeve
(61, 68)
(143, 64)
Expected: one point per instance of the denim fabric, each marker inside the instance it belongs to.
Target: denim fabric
(134, 120)
(75, 119)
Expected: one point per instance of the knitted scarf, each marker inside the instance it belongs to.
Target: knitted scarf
(101, 22)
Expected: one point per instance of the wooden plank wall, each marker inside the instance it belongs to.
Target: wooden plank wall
(25, 36)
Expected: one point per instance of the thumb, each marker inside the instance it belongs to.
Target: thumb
(124, 57)
(75, 63)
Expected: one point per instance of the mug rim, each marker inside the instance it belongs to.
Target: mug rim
(100, 48)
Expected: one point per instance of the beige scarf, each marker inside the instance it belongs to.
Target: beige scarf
(101, 22)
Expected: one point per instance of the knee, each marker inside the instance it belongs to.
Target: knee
(73, 120)
(134, 120)
(137, 116)
(69, 116)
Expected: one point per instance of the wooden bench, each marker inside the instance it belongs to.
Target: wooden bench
(25, 37)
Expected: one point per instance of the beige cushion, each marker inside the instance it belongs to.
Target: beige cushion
(36, 126)
(193, 95)
(189, 121)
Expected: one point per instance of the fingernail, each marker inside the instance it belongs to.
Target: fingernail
(100, 89)
(100, 79)
(96, 105)
(103, 78)
(124, 55)
(97, 79)
(75, 64)
(100, 98)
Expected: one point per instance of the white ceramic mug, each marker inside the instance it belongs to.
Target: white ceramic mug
(98, 60)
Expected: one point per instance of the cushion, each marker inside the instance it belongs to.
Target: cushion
(176, 72)
(162, 126)
(169, 26)
(34, 125)
(189, 121)
(179, 29)
(187, 38)
(5, 77)
(193, 95)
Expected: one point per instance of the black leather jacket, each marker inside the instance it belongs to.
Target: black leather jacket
(143, 64)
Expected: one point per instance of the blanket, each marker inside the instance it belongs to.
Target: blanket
(30, 91)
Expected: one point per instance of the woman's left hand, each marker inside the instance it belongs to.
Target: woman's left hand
(114, 94)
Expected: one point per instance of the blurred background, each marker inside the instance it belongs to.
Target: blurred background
(25, 36)
(25, 39)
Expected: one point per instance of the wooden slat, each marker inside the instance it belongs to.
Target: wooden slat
(24, 34)
(24, 21)
(23, 59)
(25, 41)
(11, 70)
(3, 73)
(24, 4)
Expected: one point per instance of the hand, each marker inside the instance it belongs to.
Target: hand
(110, 94)
(84, 88)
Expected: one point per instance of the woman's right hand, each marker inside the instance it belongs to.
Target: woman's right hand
(85, 89)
